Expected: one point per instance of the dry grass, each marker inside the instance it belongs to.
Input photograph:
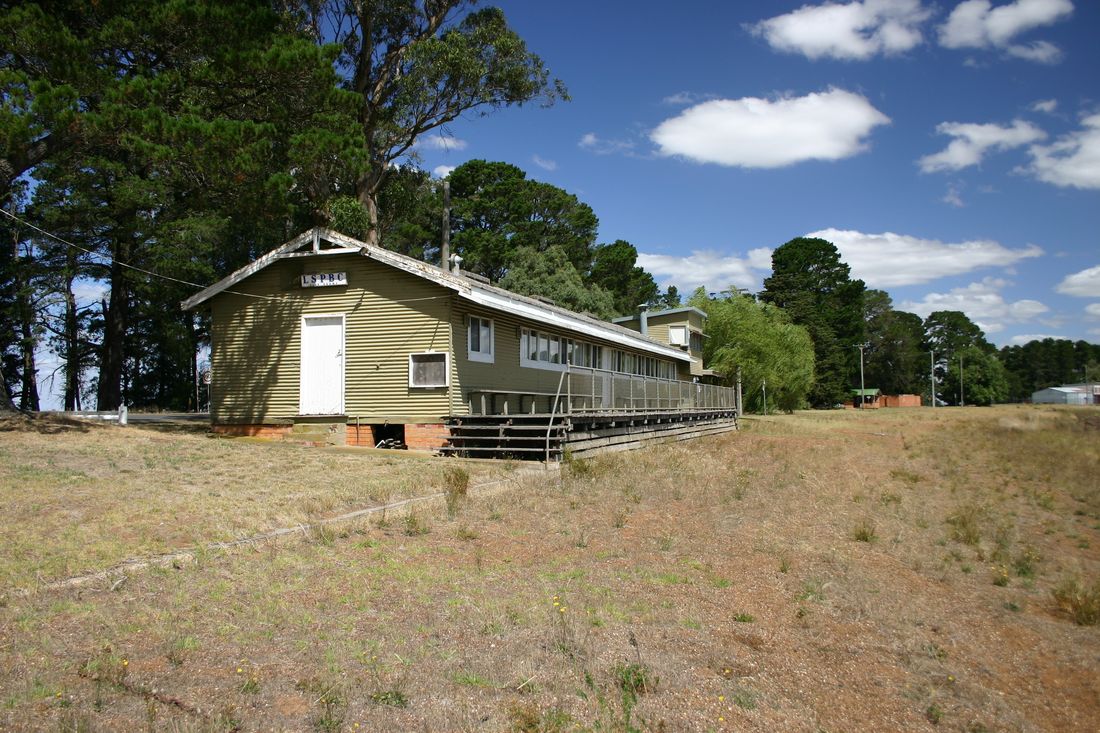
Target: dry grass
(719, 586)
(80, 497)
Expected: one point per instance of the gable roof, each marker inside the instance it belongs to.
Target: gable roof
(482, 294)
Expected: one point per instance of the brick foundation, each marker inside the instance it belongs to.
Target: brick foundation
(426, 436)
(418, 436)
(272, 432)
(361, 436)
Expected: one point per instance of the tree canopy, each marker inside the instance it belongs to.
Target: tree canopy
(814, 287)
(549, 274)
(760, 340)
(417, 65)
(894, 359)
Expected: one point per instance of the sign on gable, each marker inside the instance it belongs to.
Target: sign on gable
(324, 279)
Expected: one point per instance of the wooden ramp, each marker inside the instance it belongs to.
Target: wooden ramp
(548, 437)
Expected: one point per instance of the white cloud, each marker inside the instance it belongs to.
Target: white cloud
(977, 24)
(708, 268)
(890, 260)
(852, 31)
(953, 196)
(1047, 106)
(1023, 338)
(771, 133)
(442, 171)
(441, 142)
(1085, 283)
(680, 99)
(1072, 160)
(544, 163)
(1092, 310)
(982, 302)
(600, 146)
(972, 140)
(90, 291)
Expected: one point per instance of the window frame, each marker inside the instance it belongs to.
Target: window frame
(484, 356)
(446, 370)
(683, 335)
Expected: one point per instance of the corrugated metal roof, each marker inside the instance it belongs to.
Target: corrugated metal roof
(487, 296)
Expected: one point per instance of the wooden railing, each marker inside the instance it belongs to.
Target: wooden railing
(589, 390)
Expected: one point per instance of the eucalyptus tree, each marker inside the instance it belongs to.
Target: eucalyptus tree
(418, 65)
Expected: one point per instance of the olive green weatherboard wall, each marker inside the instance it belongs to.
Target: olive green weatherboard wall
(256, 343)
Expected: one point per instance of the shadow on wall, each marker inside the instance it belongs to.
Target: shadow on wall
(254, 359)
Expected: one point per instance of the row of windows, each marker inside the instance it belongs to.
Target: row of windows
(541, 349)
(537, 349)
(646, 366)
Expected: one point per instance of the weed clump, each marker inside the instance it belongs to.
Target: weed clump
(415, 525)
(965, 524)
(456, 487)
(1081, 602)
(864, 531)
(392, 698)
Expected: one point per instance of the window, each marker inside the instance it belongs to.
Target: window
(678, 335)
(429, 369)
(480, 339)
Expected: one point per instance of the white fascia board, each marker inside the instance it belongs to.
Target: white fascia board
(550, 318)
(418, 268)
(250, 269)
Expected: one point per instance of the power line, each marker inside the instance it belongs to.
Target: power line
(92, 253)
(51, 235)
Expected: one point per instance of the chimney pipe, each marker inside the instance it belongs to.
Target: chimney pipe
(643, 319)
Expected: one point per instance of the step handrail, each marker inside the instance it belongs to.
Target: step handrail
(553, 412)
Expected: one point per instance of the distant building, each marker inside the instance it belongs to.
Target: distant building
(1072, 394)
(866, 399)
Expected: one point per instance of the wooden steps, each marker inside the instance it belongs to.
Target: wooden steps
(548, 437)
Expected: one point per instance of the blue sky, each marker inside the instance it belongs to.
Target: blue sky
(951, 150)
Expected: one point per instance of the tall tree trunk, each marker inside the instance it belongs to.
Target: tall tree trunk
(115, 319)
(7, 403)
(367, 187)
(28, 394)
(72, 342)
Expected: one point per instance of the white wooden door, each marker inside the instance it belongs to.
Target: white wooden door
(322, 379)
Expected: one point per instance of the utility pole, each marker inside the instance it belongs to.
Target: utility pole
(445, 249)
(739, 413)
(764, 389)
(862, 389)
(932, 373)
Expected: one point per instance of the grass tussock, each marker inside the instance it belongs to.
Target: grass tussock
(1081, 601)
